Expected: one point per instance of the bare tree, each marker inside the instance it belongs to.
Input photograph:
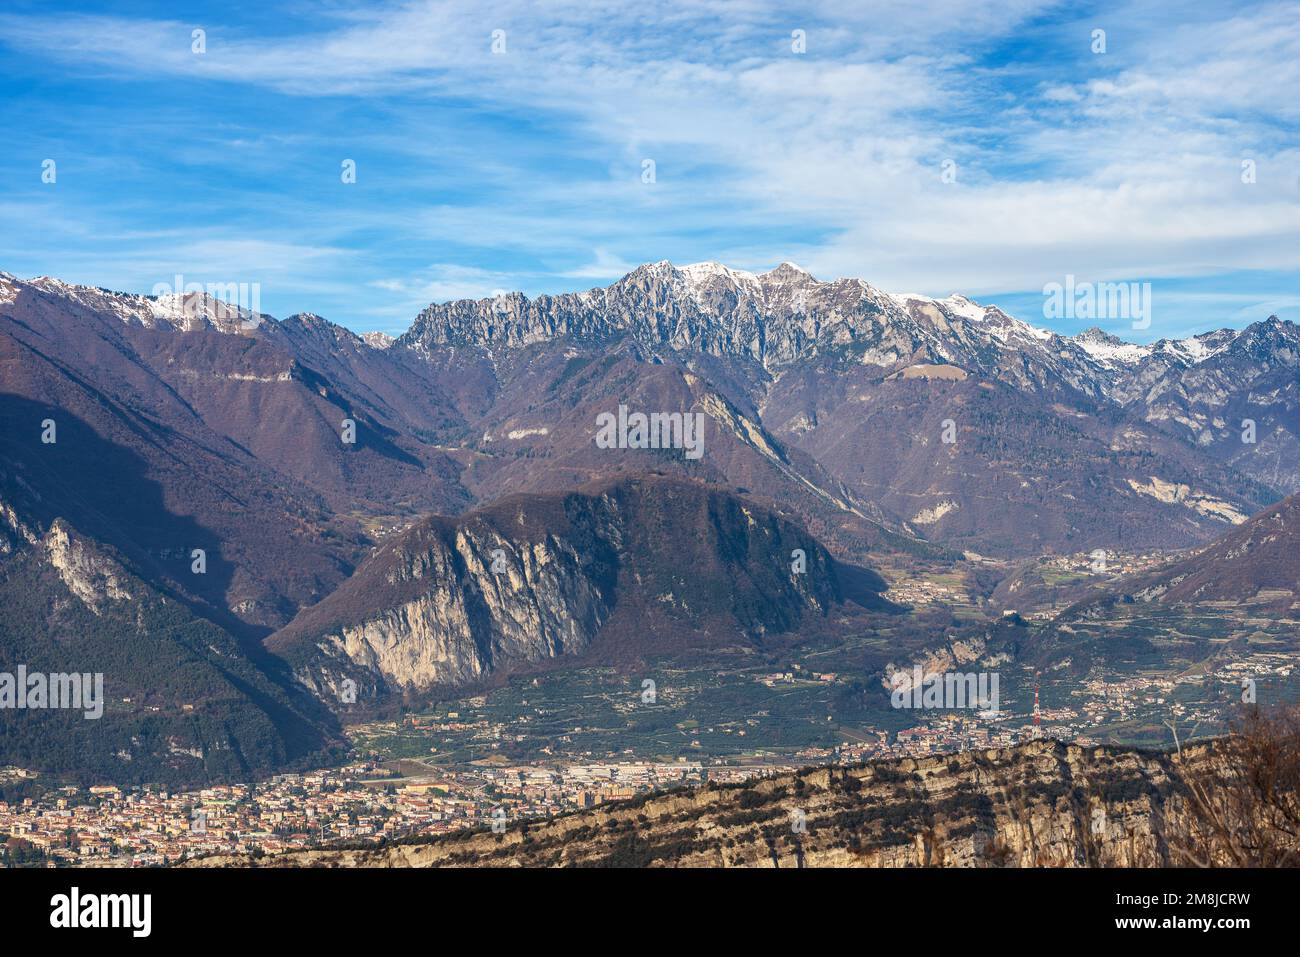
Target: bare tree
(1240, 804)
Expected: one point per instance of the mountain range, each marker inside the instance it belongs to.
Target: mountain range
(346, 493)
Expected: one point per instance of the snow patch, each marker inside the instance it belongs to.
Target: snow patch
(1110, 354)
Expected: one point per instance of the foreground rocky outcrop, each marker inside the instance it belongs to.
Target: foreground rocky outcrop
(1041, 803)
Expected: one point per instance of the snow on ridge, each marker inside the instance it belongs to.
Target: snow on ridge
(991, 319)
(1110, 353)
(694, 275)
(1191, 348)
(956, 304)
(192, 310)
(1197, 349)
(787, 267)
(965, 307)
(182, 311)
(124, 305)
(698, 272)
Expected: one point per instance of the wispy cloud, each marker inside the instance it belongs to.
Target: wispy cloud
(932, 145)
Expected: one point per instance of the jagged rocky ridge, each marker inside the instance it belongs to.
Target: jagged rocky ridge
(785, 315)
(1070, 442)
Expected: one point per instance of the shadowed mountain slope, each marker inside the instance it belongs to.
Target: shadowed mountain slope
(612, 572)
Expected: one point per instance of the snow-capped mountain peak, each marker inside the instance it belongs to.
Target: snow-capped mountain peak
(786, 272)
(1109, 351)
(184, 312)
(697, 274)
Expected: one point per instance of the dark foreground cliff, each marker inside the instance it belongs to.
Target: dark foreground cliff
(1041, 803)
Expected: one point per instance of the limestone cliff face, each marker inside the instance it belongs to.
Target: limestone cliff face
(93, 578)
(14, 532)
(649, 562)
(951, 655)
(475, 610)
(1041, 804)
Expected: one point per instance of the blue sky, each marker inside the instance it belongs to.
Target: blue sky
(480, 171)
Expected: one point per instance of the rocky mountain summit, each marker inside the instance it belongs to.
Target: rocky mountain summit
(774, 318)
(831, 368)
(785, 315)
(635, 566)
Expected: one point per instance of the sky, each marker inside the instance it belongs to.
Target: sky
(926, 146)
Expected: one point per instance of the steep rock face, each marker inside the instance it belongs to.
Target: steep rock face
(636, 565)
(543, 604)
(17, 528)
(1042, 803)
(1237, 399)
(176, 699)
(88, 575)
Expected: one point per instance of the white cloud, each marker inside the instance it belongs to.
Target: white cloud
(444, 282)
(603, 265)
(1125, 165)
